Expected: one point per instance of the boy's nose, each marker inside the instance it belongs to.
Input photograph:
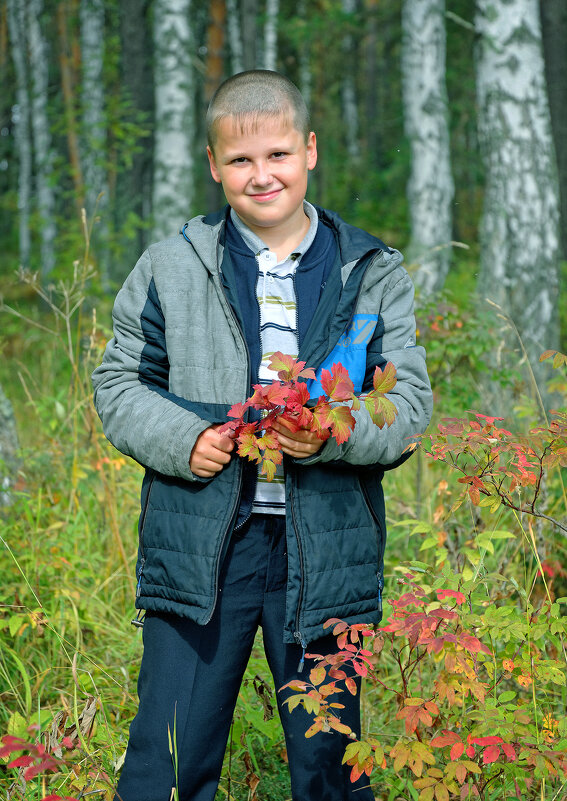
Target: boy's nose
(261, 175)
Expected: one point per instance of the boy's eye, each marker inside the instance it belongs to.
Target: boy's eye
(240, 160)
(279, 154)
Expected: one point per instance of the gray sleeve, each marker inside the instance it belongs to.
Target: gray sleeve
(411, 396)
(139, 415)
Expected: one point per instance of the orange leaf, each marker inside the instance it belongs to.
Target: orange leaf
(337, 384)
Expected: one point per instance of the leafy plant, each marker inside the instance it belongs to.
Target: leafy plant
(287, 399)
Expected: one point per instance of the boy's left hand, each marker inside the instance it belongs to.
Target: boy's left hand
(298, 444)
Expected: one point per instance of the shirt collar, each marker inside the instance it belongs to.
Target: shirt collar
(257, 245)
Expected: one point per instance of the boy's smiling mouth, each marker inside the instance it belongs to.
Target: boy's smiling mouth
(265, 196)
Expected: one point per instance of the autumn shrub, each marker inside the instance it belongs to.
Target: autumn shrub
(468, 671)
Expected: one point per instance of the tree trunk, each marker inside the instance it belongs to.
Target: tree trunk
(554, 31)
(94, 124)
(430, 186)
(174, 116)
(44, 155)
(234, 36)
(519, 228)
(67, 60)
(21, 118)
(304, 56)
(249, 11)
(271, 35)
(350, 110)
(372, 74)
(8, 449)
(213, 77)
(134, 187)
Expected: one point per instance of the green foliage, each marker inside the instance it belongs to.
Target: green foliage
(68, 655)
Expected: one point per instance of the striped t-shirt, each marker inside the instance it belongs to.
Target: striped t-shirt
(275, 292)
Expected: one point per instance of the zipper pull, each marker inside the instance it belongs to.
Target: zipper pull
(139, 585)
(380, 588)
(138, 621)
(301, 641)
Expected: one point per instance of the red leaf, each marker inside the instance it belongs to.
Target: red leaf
(492, 740)
(458, 596)
(510, 751)
(491, 754)
(21, 761)
(337, 384)
(447, 738)
(457, 751)
(360, 668)
(238, 410)
(339, 419)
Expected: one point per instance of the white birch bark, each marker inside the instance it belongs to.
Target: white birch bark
(519, 228)
(430, 186)
(350, 109)
(93, 121)
(43, 152)
(305, 74)
(174, 116)
(234, 36)
(21, 119)
(271, 35)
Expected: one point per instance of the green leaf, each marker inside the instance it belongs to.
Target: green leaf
(384, 380)
(381, 410)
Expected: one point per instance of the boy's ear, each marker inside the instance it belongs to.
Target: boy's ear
(311, 148)
(212, 164)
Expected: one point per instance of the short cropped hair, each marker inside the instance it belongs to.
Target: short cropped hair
(251, 95)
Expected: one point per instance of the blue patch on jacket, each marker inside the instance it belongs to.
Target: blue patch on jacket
(350, 351)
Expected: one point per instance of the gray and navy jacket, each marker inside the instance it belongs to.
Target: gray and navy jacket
(176, 364)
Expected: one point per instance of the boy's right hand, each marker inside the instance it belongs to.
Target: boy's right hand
(210, 453)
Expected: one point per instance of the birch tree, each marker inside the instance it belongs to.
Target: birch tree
(554, 31)
(21, 119)
(174, 116)
(41, 132)
(350, 110)
(93, 122)
(249, 12)
(519, 226)
(304, 57)
(234, 36)
(430, 186)
(271, 35)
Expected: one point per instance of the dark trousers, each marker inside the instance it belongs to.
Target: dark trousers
(190, 677)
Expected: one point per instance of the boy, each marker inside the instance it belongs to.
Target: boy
(221, 552)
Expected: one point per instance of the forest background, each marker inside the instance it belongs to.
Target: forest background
(442, 129)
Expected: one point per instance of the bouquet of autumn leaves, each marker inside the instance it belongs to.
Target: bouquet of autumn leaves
(288, 399)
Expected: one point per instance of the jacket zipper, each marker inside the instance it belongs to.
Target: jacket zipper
(138, 621)
(297, 633)
(141, 537)
(381, 544)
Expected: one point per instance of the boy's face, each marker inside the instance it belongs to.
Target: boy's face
(263, 171)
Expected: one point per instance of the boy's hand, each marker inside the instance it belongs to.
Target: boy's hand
(298, 444)
(210, 453)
